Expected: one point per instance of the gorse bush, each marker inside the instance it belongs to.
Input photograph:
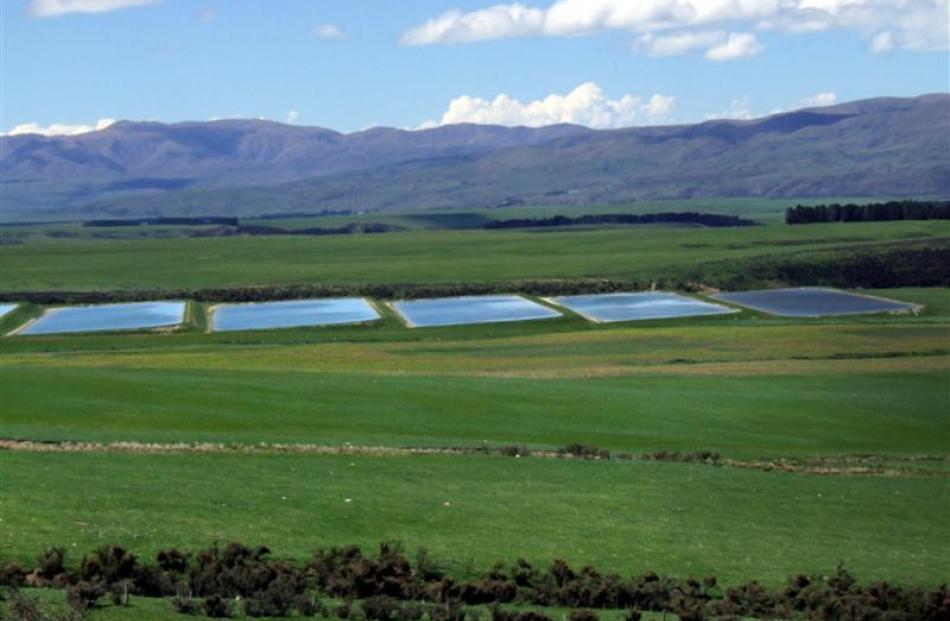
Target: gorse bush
(583, 451)
(237, 580)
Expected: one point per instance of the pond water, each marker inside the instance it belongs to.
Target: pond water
(6, 308)
(471, 309)
(132, 316)
(812, 302)
(638, 306)
(292, 313)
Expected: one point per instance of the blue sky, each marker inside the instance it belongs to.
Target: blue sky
(352, 64)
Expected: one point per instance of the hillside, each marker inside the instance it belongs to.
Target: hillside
(886, 146)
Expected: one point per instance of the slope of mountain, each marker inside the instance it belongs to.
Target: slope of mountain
(886, 146)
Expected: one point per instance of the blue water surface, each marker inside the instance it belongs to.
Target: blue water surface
(6, 308)
(638, 306)
(471, 309)
(811, 302)
(264, 315)
(131, 316)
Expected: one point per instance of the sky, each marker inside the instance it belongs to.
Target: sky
(68, 66)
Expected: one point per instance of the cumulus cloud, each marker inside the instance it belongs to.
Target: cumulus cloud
(884, 24)
(882, 42)
(739, 109)
(679, 43)
(497, 22)
(56, 8)
(328, 31)
(738, 45)
(58, 129)
(824, 98)
(292, 117)
(585, 105)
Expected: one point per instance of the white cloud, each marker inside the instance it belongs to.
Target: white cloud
(497, 22)
(738, 45)
(329, 31)
(739, 108)
(292, 117)
(907, 24)
(882, 42)
(58, 129)
(55, 8)
(679, 42)
(824, 98)
(585, 105)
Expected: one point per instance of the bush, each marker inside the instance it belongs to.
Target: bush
(583, 451)
(84, 595)
(187, 605)
(217, 607)
(381, 608)
(22, 608)
(583, 615)
(12, 575)
(173, 560)
(50, 569)
(310, 607)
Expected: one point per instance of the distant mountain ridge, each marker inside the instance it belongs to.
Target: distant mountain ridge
(885, 146)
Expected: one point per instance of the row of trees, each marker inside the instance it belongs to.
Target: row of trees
(679, 217)
(870, 212)
(171, 220)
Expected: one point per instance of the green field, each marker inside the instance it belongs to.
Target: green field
(860, 406)
(636, 253)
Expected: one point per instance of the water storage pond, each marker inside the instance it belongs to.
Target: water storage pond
(265, 315)
(812, 302)
(471, 309)
(6, 308)
(638, 306)
(132, 316)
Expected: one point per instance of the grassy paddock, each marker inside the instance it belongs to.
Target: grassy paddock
(620, 516)
(747, 416)
(632, 253)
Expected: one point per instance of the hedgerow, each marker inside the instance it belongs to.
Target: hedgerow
(387, 586)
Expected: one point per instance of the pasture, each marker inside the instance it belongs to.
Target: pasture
(831, 433)
(632, 253)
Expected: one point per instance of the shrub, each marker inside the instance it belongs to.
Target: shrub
(309, 606)
(109, 565)
(583, 615)
(22, 608)
(50, 568)
(173, 560)
(12, 575)
(514, 451)
(84, 595)
(217, 607)
(583, 451)
(187, 605)
(427, 569)
(380, 608)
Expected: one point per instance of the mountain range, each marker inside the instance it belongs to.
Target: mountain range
(873, 147)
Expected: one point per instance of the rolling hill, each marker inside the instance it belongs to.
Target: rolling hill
(875, 147)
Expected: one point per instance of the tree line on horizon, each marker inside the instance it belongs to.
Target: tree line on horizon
(869, 212)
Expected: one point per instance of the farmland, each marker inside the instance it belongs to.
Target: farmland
(831, 433)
